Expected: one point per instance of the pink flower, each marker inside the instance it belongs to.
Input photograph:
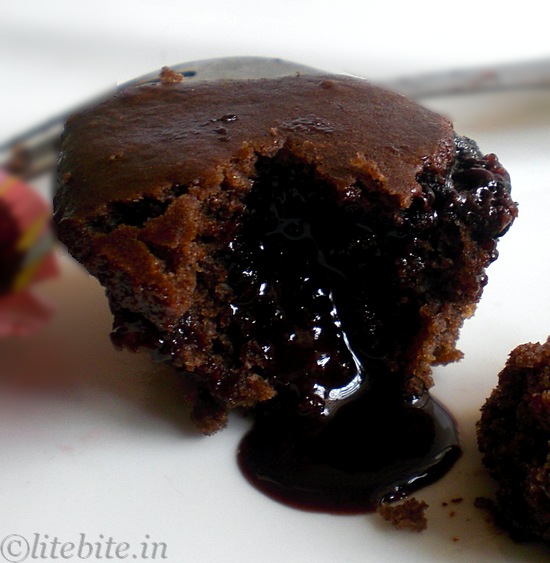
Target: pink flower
(26, 256)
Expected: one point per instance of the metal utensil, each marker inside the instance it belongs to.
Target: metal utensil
(35, 151)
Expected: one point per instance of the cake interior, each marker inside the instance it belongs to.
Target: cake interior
(308, 290)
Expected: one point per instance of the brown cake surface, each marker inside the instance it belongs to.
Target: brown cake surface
(514, 438)
(281, 236)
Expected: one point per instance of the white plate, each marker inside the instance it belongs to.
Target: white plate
(97, 452)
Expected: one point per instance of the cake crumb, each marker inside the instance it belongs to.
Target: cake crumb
(169, 76)
(456, 538)
(457, 500)
(408, 515)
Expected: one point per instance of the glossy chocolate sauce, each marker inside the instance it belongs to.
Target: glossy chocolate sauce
(316, 285)
(374, 450)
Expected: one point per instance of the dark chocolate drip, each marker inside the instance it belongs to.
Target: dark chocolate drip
(340, 436)
(374, 450)
(291, 293)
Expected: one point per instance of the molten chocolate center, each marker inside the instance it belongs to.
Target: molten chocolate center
(318, 284)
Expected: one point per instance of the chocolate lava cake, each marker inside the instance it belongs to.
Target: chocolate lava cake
(304, 237)
(514, 438)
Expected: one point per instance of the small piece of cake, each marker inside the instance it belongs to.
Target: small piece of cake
(284, 236)
(514, 438)
(409, 515)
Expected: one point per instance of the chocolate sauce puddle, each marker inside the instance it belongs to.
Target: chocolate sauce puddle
(317, 290)
(369, 453)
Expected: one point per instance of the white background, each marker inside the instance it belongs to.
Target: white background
(95, 441)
